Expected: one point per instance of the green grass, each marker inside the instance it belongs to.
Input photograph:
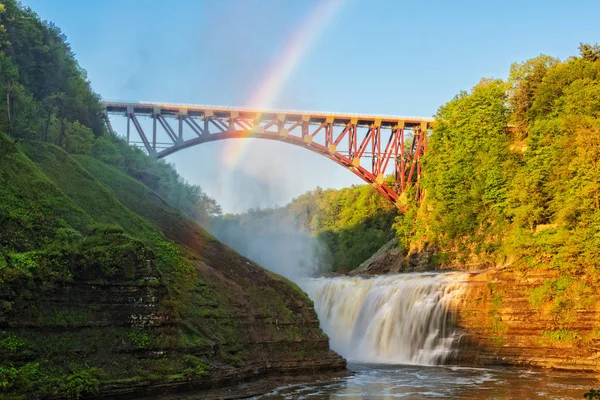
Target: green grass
(560, 335)
(87, 192)
(32, 208)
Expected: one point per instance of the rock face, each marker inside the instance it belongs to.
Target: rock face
(147, 305)
(123, 324)
(387, 260)
(509, 320)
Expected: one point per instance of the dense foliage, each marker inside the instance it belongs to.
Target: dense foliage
(46, 96)
(46, 90)
(530, 194)
(159, 175)
(349, 225)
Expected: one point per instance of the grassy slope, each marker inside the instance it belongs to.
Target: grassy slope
(168, 220)
(85, 191)
(32, 209)
(216, 304)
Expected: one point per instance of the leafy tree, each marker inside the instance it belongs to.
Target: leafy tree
(465, 170)
(525, 79)
(528, 194)
(46, 96)
(46, 66)
(79, 138)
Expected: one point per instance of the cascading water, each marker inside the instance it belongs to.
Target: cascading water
(403, 319)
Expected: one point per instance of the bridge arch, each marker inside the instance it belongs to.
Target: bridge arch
(346, 139)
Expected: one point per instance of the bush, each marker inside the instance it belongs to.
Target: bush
(592, 394)
(195, 366)
(82, 383)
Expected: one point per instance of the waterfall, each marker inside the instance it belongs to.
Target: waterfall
(400, 319)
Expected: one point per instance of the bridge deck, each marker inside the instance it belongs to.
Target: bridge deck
(196, 110)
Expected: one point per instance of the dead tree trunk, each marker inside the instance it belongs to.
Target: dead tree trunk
(9, 109)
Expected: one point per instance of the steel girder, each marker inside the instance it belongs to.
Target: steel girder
(347, 139)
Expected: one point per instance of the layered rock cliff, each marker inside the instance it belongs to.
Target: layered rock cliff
(107, 290)
(512, 317)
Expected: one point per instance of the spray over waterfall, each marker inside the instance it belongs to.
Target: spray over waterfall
(400, 319)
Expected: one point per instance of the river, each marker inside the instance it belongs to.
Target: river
(397, 333)
(372, 381)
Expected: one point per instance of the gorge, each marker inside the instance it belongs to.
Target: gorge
(121, 279)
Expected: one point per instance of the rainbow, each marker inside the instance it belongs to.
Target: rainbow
(281, 69)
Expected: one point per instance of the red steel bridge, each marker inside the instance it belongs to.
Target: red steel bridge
(373, 147)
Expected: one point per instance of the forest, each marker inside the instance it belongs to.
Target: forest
(47, 97)
(512, 173)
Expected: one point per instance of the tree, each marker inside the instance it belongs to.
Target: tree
(8, 75)
(47, 71)
(524, 80)
(79, 138)
(589, 52)
(465, 171)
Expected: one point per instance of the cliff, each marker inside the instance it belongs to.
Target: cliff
(387, 260)
(107, 290)
(513, 317)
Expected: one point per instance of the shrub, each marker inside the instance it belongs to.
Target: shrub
(82, 383)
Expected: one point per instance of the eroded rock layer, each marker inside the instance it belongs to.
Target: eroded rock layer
(532, 319)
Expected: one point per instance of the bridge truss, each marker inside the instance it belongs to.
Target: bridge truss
(370, 146)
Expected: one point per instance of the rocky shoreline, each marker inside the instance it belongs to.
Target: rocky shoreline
(231, 384)
(503, 326)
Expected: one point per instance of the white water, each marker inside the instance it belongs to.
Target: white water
(399, 319)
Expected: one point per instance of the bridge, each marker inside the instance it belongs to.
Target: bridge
(371, 146)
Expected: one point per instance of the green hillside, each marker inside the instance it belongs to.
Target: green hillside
(103, 284)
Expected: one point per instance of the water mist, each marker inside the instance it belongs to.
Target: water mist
(271, 240)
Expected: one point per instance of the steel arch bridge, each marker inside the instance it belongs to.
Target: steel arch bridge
(370, 146)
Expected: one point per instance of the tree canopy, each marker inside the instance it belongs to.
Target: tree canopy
(47, 96)
(513, 174)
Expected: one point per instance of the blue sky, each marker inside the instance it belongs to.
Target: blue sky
(380, 57)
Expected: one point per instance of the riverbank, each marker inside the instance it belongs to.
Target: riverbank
(247, 388)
